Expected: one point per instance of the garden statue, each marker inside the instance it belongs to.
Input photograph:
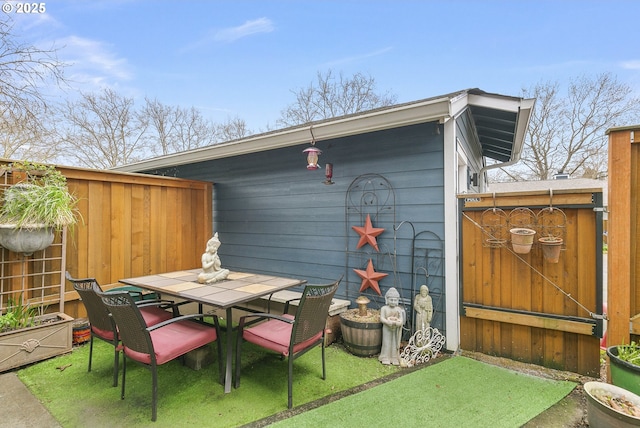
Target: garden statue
(211, 266)
(393, 318)
(424, 309)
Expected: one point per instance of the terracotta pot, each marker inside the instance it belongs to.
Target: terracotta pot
(551, 247)
(522, 239)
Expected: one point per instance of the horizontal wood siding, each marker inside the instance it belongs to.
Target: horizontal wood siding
(523, 307)
(275, 216)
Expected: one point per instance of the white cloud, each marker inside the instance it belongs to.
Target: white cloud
(631, 65)
(228, 35)
(261, 25)
(358, 58)
(92, 62)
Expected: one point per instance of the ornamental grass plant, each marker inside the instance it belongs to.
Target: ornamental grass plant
(43, 199)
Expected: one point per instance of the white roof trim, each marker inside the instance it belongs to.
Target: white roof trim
(439, 108)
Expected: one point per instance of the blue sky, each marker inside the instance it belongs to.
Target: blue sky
(243, 58)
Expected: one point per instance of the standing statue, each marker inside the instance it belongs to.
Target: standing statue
(211, 266)
(424, 309)
(393, 318)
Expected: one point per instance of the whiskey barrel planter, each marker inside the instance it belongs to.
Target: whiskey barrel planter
(362, 336)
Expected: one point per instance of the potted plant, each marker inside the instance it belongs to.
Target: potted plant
(32, 210)
(522, 239)
(611, 406)
(27, 337)
(551, 246)
(625, 366)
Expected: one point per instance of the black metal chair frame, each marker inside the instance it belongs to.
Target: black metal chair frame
(135, 336)
(309, 320)
(99, 316)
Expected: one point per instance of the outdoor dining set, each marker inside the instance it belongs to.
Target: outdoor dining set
(143, 320)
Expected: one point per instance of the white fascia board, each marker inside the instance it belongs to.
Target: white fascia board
(404, 115)
(499, 102)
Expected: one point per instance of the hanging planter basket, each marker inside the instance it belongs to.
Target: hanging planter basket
(522, 239)
(27, 239)
(551, 247)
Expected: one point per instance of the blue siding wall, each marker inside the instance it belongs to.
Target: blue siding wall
(275, 216)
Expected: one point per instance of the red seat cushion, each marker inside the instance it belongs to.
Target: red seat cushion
(103, 334)
(275, 335)
(174, 340)
(154, 315)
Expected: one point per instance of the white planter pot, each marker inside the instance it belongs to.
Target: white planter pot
(601, 415)
(25, 240)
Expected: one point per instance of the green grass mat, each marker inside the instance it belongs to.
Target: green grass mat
(457, 392)
(77, 398)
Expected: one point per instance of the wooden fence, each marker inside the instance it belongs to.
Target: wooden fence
(521, 306)
(132, 225)
(624, 231)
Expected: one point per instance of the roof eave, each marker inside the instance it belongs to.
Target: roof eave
(404, 115)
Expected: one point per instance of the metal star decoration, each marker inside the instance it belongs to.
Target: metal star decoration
(370, 278)
(368, 234)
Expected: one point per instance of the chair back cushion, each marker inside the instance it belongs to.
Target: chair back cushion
(97, 312)
(311, 316)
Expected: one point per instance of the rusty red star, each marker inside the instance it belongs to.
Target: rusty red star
(370, 278)
(368, 234)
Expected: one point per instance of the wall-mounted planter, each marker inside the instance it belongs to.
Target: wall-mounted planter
(551, 247)
(522, 239)
(25, 240)
(50, 337)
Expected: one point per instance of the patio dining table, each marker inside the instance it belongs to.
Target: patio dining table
(238, 289)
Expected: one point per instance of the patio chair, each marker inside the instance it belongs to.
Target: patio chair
(290, 336)
(158, 344)
(101, 324)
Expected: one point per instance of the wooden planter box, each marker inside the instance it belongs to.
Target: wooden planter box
(29, 345)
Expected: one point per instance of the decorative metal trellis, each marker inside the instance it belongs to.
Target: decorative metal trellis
(38, 280)
(373, 195)
(369, 195)
(496, 223)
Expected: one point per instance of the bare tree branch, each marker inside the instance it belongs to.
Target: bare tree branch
(330, 97)
(567, 134)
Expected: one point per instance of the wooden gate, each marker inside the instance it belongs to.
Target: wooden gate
(522, 306)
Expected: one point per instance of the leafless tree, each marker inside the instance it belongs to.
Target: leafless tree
(162, 124)
(231, 129)
(332, 97)
(103, 130)
(176, 129)
(567, 133)
(192, 130)
(25, 111)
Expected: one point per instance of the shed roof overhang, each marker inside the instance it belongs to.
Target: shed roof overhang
(500, 123)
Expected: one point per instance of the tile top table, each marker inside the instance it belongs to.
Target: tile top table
(238, 288)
